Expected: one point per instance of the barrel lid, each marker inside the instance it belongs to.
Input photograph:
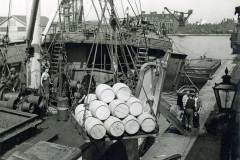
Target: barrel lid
(102, 113)
(121, 110)
(148, 125)
(117, 129)
(97, 132)
(132, 126)
(107, 95)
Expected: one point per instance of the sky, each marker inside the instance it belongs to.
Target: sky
(211, 11)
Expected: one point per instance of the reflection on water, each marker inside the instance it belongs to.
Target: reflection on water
(196, 46)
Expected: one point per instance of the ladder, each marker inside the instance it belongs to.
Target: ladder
(56, 57)
(142, 57)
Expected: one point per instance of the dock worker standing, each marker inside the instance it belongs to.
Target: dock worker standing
(13, 80)
(189, 110)
(185, 98)
(86, 81)
(45, 83)
(197, 106)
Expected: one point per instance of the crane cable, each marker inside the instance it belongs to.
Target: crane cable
(5, 40)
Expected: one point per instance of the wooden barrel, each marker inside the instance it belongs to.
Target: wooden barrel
(119, 108)
(95, 128)
(122, 91)
(99, 109)
(11, 95)
(34, 99)
(105, 93)
(79, 108)
(80, 116)
(147, 122)
(131, 124)
(135, 106)
(8, 104)
(89, 98)
(62, 102)
(62, 114)
(114, 126)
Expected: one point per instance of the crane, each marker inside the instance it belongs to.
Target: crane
(180, 16)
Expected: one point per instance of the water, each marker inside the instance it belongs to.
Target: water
(196, 46)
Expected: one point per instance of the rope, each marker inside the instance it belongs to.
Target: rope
(132, 8)
(191, 81)
(137, 7)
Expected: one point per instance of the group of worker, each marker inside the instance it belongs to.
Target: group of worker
(190, 106)
(79, 91)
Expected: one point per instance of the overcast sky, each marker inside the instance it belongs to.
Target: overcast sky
(208, 10)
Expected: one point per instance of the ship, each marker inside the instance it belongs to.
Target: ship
(198, 71)
(114, 51)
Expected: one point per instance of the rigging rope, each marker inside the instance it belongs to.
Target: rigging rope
(132, 8)
(191, 81)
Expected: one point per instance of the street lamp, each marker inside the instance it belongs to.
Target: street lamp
(225, 93)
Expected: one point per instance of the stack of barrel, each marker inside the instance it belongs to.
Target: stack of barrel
(115, 111)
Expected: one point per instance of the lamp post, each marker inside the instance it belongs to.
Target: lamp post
(225, 93)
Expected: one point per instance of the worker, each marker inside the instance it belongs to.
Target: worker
(197, 106)
(189, 110)
(13, 80)
(85, 83)
(78, 94)
(45, 83)
(185, 98)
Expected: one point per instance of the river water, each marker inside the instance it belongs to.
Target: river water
(196, 46)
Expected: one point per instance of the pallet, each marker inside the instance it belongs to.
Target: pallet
(107, 137)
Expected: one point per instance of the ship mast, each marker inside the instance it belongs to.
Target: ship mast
(81, 12)
(33, 44)
(113, 23)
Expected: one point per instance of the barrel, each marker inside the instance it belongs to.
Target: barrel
(34, 99)
(79, 108)
(135, 106)
(26, 107)
(11, 95)
(62, 114)
(105, 93)
(147, 122)
(119, 108)
(131, 124)
(8, 104)
(114, 126)
(122, 91)
(62, 102)
(80, 116)
(89, 98)
(95, 128)
(99, 109)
